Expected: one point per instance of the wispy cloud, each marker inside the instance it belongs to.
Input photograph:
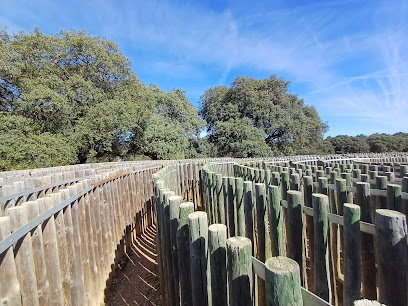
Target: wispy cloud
(346, 58)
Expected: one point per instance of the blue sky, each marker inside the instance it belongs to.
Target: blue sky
(349, 59)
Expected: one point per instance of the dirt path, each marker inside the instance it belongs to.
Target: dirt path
(137, 283)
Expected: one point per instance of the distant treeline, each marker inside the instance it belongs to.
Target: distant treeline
(73, 98)
(375, 143)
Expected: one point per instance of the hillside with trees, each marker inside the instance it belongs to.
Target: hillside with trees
(73, 98)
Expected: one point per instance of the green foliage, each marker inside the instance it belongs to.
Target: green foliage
(72, 97)
(73, 86)
(259, 118)
(387, 143)
(81, 89)
(200, 148)
(375, 143)
(173, 123)
(343, 144)
(238, 138)
(164, 139)
(22, 146)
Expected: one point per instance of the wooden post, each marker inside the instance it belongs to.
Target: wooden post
(75, 256)
(357, 174)
(307, 192)
(390, 176)
(364, 178)
(90, 234)
(239, 197)
(213, 198)
(267, 178)
(275, 179)
(24, 257)
(391, 236)
(319, 173)
(294, 182)
(323, 185)
(403, 170)
(226, 202)
(217, 237)
(295, 237)
(373, 175)
(171, 294)
(231, 207)
(83, 232)
(404, 188)
(220, 199)
(321, 269)
(261, 176)
(347, 177)
(381, 184)
(157, 184)
(239, 265)
(174, 214)
(51, 253)
(257, 176)
(10, 287)
(282, 278)
(394, 197)
(96, 217)
(278, 247)
(352, 254)
(328, 169)
(364, 169)
(198, 227)
(263, 242)
(249, 212)
(183, 252)
(364, 302)
(38, 254)
(207, 194)
(367, 243)
(285, 184)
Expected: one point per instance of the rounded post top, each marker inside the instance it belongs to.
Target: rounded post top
(16, 208)
(294, 192)
(281, 265)
(319, 195)
(352, 206)
(187, 205)
(175, 198)
(238, 241)
(389, 213)
(217, 228)
(197, 215)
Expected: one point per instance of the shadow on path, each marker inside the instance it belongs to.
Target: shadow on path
(136, 282)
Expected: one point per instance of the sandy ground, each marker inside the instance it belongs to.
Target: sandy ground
(137, 282)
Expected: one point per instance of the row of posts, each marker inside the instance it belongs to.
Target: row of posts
(231, 202)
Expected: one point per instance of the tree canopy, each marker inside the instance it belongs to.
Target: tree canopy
(73, 98)
(78, 93)
(260, 117)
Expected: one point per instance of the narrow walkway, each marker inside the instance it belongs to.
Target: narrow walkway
(137, 282)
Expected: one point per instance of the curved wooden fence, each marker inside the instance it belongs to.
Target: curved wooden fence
(64, 229)
(59, 241)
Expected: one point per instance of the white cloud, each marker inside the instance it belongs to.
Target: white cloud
(351, 54)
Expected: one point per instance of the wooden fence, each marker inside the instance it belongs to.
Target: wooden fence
(224, 225)
(61, 246)
(338, 226)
